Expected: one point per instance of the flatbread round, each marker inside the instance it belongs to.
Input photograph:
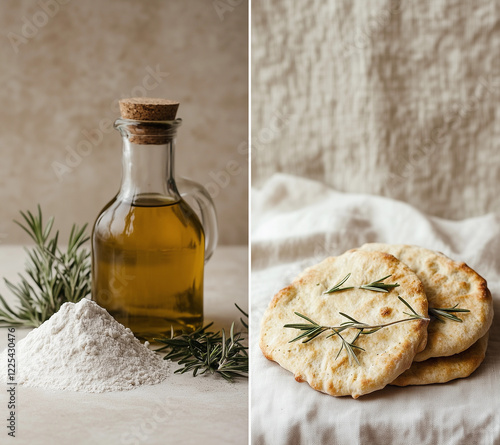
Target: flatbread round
(388, 352)
(447, 283)
(444, 369)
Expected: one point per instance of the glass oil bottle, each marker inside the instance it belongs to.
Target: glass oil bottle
(149, 246)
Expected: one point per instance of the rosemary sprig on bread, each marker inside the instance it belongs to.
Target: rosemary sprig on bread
(313, 329)
(375, 286)
(440, 314)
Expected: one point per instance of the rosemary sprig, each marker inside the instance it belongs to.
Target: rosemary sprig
(441, 313)
(209, 352)
(53, 277)
(337, 287)
(349, 347)
(379, 286)
(376, 286)
(313, 329)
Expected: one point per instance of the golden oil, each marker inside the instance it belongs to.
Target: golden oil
(148, 259)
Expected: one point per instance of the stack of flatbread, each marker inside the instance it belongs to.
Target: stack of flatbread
(429, 348)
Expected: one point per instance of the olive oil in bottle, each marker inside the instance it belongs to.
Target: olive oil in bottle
(148, 277)
(148, 245)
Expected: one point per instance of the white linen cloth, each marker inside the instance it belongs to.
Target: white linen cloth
(298, 222)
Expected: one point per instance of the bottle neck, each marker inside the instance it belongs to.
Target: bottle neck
(148, 172)
(148, 161)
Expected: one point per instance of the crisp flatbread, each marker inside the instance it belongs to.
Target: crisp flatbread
(447, 283)
(388, 352)
(444, 369)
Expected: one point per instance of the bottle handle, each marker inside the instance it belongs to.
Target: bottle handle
(194, 193)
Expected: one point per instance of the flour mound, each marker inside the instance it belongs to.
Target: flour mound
(83, 348)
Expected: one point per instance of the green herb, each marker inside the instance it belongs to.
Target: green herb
(53, 277)
(209, 352)
(441, 313)
(337, 287)
(349, 347)
(243, 322)
(376, 286)
(313, 329)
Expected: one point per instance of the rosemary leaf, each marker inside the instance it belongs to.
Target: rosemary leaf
(349, 317)
(243, 322)
(379, 286)
(313, 335)
(349, 347)
(337, 287)
(374, 289)
(306, 318)
(413, 313)
(440, 314)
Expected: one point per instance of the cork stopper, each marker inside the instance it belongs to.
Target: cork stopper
(152, 114)
(148, 109)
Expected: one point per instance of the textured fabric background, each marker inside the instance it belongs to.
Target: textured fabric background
(65, 63)
(393, 97)
(296, 223)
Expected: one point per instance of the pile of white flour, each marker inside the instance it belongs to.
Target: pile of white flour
(83, 348)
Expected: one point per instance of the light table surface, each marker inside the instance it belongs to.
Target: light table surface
(182, 409)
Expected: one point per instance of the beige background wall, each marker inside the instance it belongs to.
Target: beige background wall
(64, 65)
(392, 97)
